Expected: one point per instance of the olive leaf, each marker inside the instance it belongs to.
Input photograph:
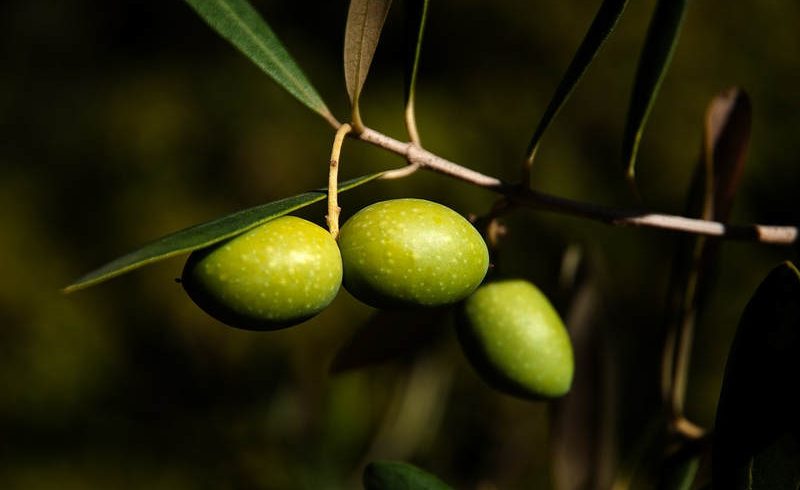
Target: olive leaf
(581, 423)
(662, 36)
(727, 138)
(716, 178)
(756, 442)
(239, 23)
(602, 26)
(205, 234)
(678, 472)
(394, 475)
(365, 20)
(416, 14)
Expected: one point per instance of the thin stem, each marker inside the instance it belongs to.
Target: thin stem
(400, 173)
(333, 180)
(683, 355)
(527, 167)
(411, 122)
(688, 429)
(357, 124)
(781, 235)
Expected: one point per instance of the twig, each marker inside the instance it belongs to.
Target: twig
(782, 235)
(333, 180)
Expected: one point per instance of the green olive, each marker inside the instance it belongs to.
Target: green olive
(274, 276)
(516, 341)
(411, 252)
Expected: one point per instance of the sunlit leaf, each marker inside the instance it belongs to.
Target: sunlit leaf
(604, 22)
(416, 15)
(757, 433)
(662, 36)
(203, 235)
(393, 475)
(390, 334)
(365, 20)
(238, 22)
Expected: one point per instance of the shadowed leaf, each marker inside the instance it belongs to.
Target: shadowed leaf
(662, 36)
(603, 24)
(713, 188)
(365, 20)
(203, 235)
(581, 422)
(727, 139)
(392, 475)
(238, 22)
(757, 434)
(678, 472)
(390, 334)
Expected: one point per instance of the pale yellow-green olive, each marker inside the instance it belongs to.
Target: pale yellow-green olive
(411, 252)
(516, 341)
(274, 276)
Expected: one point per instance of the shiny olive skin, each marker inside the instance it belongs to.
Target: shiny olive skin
(516, 341)
(410, 253)
(277, 275)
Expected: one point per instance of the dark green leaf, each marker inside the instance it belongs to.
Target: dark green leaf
(238, 22)
(203, 235)
(604, 22)
(757, 434)
(390, 334)
(365, 20)
(393, 475)
(662, 36)
(416, 15)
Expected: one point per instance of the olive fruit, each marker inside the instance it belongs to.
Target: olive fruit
(516, 341)
(276, 275)
(411, 252)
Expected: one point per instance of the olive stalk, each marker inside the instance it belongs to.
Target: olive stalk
(333, 180)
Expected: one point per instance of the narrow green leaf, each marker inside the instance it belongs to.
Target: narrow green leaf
(365, 20)
(662, 36)
(757, 433)
(602, 26)
(238, 22)
(205, 234)
(416, 14)
(393, 475)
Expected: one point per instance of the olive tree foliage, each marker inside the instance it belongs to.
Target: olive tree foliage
(756, 438)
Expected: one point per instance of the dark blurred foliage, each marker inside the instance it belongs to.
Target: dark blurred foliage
(122, 121)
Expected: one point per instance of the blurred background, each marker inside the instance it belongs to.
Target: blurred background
(123, 121)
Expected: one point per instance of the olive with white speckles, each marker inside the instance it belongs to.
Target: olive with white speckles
(516, 341)
(276, 275)
(411, 252)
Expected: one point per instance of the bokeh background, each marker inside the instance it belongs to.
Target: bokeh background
(123, 121)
